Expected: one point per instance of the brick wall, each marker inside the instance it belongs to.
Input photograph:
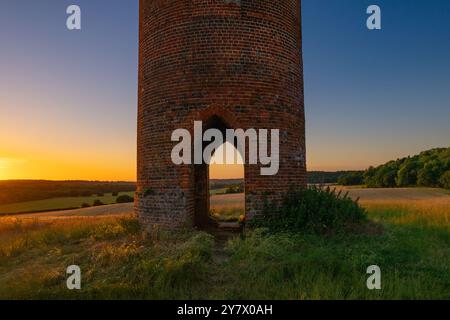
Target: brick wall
(238, 60)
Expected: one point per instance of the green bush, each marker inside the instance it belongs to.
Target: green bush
(98, 203)
(314, 210)
(124, 199)
(351, 179)
(445, 180)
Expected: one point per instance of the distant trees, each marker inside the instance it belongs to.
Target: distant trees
(13, 191)
(445, 180)
(428, 169)
(233, 189)
(124, 199)
(323, 177)
(352, 179)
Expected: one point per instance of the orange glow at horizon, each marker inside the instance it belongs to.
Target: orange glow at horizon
(63, 169)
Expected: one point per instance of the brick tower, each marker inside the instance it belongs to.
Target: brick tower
(233, 64)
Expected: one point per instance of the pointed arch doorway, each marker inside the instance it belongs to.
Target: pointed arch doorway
(220, 186)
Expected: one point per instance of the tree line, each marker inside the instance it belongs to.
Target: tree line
(428, 169)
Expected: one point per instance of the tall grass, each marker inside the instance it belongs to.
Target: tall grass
(433, 212)
(118, 261)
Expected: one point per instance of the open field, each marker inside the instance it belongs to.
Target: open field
(433, 201)
(57, 203)
(119, 262)
(231, 206)
(396, 194)
(227, 207)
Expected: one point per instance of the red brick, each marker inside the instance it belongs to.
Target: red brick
(238, 60)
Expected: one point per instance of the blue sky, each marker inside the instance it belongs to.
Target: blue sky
(375, 94)
(371, 96)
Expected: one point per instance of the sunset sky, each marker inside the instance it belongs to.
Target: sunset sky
(68, 98)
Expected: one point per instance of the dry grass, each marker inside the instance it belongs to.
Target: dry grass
(119, 263)
(117, 260)
(395, 194)
(433, 212)
(19, 234)
(227, 207)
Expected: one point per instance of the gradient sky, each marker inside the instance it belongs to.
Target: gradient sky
(68, 98)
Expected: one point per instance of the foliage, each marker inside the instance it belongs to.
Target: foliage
(315, 210)
(322, 177)
(426, 169)
(55, 204)
(351, 179)
(13, 191)
(118, 262)
(445, 180)
(224, 183)
(98, 203)
(235, 188)
(124, 199)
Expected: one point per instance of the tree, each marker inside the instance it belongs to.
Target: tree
(445, 180)
(429, 175)
(351, 179)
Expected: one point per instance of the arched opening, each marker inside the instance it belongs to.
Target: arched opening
(226, 186)
(219, 184)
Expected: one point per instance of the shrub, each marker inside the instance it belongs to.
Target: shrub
(314, 210)
(85, 205)
(234, 189)
(98, 203)
(124, 199)
(149, 192)
(115, 194)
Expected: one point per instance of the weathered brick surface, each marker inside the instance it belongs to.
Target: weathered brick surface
(238, 60)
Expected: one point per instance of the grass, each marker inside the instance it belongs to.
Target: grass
(431, 213)
(227, 207)
(119, 262)
(227, 214)
(57, 204)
